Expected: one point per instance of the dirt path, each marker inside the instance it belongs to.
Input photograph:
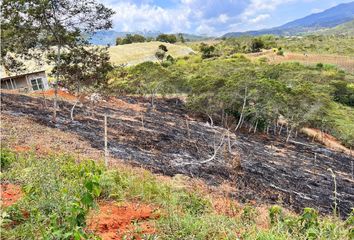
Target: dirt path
(294, 174)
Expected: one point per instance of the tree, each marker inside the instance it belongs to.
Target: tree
(34, 27)
(257, 44)
(161, 52)
(168, 38)
(119, 41)
(130, 38)
(208, 51)
(147, 78)
(84, 68)
(181, 38)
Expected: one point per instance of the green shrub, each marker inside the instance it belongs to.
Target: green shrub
(275, 214)
(6, 158)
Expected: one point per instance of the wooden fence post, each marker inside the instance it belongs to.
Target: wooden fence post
(105, 142)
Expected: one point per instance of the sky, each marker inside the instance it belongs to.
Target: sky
(210, 17)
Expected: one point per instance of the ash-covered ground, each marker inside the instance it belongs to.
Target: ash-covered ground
(165, 140)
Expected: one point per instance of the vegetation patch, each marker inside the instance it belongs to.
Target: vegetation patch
(55, 211)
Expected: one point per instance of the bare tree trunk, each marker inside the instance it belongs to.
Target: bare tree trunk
(44, 99)
(288, 137)
(72, 110)
(142, 120)
(56, 86)
(243, 107)
(229, 141)
(152, 101)
(250, 128)
(281, 128)
(211, 120)
(216, 149)
(255, 127)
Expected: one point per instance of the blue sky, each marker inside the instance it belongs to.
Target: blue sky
(210, 17)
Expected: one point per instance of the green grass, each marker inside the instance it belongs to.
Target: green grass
(341, 120)
(59, 192)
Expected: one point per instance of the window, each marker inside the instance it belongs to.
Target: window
(37, 84)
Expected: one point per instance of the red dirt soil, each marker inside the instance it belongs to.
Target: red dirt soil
(114, 221)
(9, 194)
(61, 94)
(125, 105)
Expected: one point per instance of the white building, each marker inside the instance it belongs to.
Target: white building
(27, 82)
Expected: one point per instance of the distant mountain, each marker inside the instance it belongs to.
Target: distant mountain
(342, 29)
(109, 36)
(329, 18)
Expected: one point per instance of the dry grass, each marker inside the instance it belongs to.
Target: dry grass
(325, 139)
(140, 52)
(124, 54)
(343, 62)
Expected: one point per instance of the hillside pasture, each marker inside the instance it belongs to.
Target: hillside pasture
(135, 53)
(129, 54)
(343, 62)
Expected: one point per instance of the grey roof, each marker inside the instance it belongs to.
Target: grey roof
(21, 75)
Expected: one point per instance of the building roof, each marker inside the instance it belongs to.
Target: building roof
(21, 75)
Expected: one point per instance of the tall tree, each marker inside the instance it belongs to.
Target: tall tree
(33, 27)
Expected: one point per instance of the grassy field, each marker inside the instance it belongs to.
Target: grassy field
(124, 54)
(140, 52)
(61, 196)
(343, 62)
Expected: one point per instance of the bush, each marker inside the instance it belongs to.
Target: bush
(6, 158)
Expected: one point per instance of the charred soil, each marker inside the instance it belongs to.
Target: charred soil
(167, 141)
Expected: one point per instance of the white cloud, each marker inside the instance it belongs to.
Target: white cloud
(213, 17)
(134, 17)
(223, 18)
(205, 29)
(261, 6)
(259, 18)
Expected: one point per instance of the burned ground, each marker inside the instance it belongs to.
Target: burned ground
(167, 141)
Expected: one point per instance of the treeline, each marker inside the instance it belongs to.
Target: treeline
(317, 44)
(137, 38)
(236, 93)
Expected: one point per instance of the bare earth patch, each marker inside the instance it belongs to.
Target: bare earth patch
(113, 221)
(326, 140)
(343, 62)
(9, 194)
(61, 94)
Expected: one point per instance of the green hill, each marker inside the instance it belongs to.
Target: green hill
(343, 29)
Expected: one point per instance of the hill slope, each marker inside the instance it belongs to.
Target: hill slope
(342, 29)
(168, 141)
(140, 52)
(329, 18)
(124, 54)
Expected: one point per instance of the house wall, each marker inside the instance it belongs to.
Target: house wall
(38, 75)
(24, 82)
(21, 82)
